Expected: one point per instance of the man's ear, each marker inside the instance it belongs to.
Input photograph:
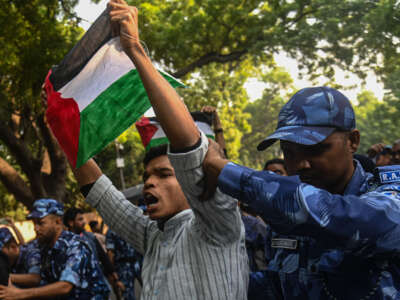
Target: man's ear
(354, 140)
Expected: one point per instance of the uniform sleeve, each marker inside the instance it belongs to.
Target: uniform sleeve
(75, 271)
(218, 219)
(369, 222)
(33, 260)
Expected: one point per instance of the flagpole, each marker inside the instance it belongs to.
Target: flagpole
(120, 163)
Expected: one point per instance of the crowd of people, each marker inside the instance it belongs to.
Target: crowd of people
(321, 223)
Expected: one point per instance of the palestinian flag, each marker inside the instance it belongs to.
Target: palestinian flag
(153, 135)
(94, 94)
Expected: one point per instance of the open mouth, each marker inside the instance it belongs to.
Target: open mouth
(150, 199)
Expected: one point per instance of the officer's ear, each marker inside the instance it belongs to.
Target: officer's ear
(353, 140)
(57, 220)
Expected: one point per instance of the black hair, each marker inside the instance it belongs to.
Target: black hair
(155, 152)
(70, 214)
(274, 161)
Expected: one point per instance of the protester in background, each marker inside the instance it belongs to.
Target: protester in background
(380, 154)
(68, 267)
(217, 127)
(127, 262)
(74, 220)
(277, 166)
(338, 226)
(24, 260)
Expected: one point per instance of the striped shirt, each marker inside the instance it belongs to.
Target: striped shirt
(201, 252)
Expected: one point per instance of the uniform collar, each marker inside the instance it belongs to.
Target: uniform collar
(358, 183)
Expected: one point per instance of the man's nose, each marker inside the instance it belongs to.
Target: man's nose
(303, 164)
(150, 182)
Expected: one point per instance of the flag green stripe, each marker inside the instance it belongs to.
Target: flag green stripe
(157, 142)
(112, 112)
(163, 141)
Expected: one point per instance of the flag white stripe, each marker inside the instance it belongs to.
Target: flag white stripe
(106, 66)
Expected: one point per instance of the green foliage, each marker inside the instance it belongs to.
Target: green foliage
(11, 208)
(264, 117)
(34, 35)
(220, 86)
(378, 121)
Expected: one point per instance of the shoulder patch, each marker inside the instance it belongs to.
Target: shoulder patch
(389, 177)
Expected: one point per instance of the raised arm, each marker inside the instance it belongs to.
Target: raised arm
(218, 217)
(170, 110)
(349, 221)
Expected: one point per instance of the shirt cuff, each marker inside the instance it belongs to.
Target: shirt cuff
(189, 160)
(70, 276)
(230, 178)
(98, 189)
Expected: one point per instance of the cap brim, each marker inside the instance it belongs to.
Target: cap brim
(36, 215)
(304, 135)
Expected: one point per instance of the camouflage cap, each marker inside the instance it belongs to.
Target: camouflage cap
(44, 207)
(311, 115)
(5, 236)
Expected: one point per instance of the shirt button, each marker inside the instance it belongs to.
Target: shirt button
(162, 268)
(156, 292)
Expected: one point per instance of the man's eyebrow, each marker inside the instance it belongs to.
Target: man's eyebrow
(163, 169)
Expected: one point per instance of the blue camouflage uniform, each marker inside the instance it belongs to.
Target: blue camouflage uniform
(70, 259)
(256, 234)
(28, 261)
(5, 236)
(328, 246)
(127, 262)
(263, 284)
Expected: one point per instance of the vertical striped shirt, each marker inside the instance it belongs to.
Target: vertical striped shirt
(201, 252)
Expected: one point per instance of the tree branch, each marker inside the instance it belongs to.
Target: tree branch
(55, 183)
(29, 164)
(15, 184)
(209, 58)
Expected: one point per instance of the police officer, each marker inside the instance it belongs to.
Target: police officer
(336, 227)
(24, 259)
(68, 267)
(126, 262)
